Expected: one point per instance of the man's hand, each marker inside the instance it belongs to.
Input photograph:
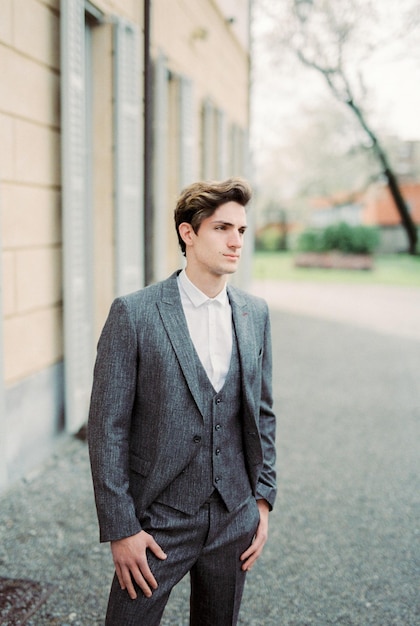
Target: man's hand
(249, 557)
(130, 562)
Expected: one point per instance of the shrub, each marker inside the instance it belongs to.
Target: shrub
(341, 237)
(365, 239)
(310, 241)
(269, 240)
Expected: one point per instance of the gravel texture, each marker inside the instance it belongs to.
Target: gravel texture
(344, 536)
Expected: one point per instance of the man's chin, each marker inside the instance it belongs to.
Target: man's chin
(224, 271)
(230, 270)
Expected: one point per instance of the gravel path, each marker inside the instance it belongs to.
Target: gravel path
(344, 540)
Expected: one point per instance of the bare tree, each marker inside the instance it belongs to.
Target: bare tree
(335, 38)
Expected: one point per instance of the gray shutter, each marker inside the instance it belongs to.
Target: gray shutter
(208, 140)
(246, 155)
(237, 147)
(187, 161)
(160, 132)
(128, 170)
(222, 143)
(78, 332)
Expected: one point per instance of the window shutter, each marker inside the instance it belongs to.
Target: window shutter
(208, 140)
(160, 131)
(239, 151)
(78, 331)
(128, 171)
(222, 146)
(187, 161)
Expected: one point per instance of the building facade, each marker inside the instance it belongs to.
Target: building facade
(379, 210)
(107, 110)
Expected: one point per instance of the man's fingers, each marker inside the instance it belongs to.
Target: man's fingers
(145, 580)
(131, 564)
(157, 550)
(128, 585)
(249, 557)
(119, 576)
(134, 573)
(256, 546)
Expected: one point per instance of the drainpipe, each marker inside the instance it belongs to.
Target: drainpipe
(148, 148)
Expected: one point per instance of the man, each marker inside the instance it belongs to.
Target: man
(181, 427)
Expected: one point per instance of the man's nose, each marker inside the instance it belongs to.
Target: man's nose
(235, 240)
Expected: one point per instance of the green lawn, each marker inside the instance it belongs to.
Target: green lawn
(388, 270)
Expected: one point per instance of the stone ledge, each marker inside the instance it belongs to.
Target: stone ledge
(334, 260)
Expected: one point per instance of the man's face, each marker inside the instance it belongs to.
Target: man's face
(216, 247)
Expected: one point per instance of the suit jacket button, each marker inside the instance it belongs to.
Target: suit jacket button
(197, 439)
(218, 427)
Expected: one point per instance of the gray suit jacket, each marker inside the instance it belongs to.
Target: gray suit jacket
(146, 413)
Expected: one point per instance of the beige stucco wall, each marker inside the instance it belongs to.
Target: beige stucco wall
(30, 178)
(197, 41)
(29, 187)
(200, 43)
(32, 397)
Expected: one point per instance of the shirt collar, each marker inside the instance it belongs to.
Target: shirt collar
(196, 296)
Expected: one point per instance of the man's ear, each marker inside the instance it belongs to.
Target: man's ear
(186, 232)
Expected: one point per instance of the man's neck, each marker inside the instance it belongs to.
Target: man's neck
(209, 284)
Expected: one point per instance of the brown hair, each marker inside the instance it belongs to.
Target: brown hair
(200, 200)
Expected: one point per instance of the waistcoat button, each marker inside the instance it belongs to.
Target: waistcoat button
(197, 439)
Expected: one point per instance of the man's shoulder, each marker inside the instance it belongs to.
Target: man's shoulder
(150, 293)
(244, 298)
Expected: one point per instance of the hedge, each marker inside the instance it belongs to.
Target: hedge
(341, 237)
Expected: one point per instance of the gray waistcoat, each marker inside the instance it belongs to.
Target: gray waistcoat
(219, 463)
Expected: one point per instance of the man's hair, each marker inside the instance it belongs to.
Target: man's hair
(200, 200)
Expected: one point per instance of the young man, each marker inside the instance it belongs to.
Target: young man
(181, 427)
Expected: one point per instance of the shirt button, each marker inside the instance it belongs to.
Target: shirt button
(217, 450)
(197, 439)
(218, 427)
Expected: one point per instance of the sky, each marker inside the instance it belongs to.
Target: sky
(396, 88)
(279, 98)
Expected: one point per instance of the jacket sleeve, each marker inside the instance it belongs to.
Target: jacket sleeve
(266, 487)
(112, 399)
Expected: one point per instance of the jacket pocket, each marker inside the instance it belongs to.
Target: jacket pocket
(139, 465)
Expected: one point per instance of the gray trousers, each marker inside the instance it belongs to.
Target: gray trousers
(208, 546)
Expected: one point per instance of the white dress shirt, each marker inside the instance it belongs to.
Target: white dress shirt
(209, 321)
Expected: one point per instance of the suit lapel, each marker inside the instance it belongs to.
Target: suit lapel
(245, 334)
(173, 319)
(175, 324)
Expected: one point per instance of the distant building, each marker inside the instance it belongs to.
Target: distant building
(379, 210)
(375, 206)
(344, 208)
(350, 212)
(107, 109)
